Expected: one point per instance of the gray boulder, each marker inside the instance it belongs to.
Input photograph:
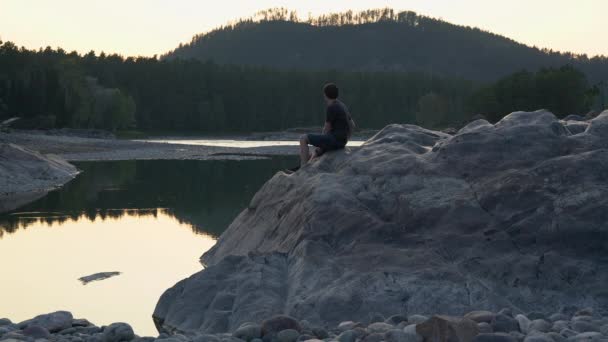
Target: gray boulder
(28, 175)
(505, 215)
(288, 335)
(494, 337)
(53, 322)
(396, 335)
(36, 332)
(118, 332)
(347, 336)
(248, 332)
(504, 323)
(584, 326)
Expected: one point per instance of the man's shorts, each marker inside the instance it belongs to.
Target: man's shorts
(326, 142)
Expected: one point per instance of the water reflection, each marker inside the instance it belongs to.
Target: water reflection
(206, 195)
(148, 220)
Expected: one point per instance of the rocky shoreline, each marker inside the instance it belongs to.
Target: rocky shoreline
(570, 324)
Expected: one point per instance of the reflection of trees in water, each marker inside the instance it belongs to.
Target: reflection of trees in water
(204, 194)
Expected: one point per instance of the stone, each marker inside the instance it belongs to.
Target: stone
(583, 318)
(36, 331)
(12, 340)
(604, 330)
(584, 326)
(288, 335)
(260, 340)
(538, 337)
(117, 332)
(484, 328)
(587, 336)
(524, 323)
(494, 337)
(347, 336)
(373, 337)
(347, 325)
(560, 325)
(144, 339)
(568, 333)
(584, 312)
(274, 325)
(411, 329)
(559, 317)
(416, 220)
(397, 335)
(5, 321)
(534, 315)
(380, 327)
(504, 323)
(506, 311)
(375, 317)
(396, 319)
(305, 337)
(481, 316)
(417, 319)
(556, 336)
(446, 328)
(53, 322)
(540, 325)
(80, 322)
(248, 332)
(320, 333)
(517, 335)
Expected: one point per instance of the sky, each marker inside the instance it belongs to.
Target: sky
(149, 27)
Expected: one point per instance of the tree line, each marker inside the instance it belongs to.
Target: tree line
(376, 40)
(53, 88)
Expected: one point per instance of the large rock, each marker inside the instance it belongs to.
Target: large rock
(26, 175)
(511, 215)
(447, 329)
(53, 322)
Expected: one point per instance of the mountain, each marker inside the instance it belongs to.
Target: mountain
(376, 40)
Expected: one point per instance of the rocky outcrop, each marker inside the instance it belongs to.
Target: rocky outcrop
(417, 222)
(26, 175)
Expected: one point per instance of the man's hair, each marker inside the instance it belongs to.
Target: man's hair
(331, 91)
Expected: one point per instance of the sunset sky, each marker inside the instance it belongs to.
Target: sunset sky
(148, 27)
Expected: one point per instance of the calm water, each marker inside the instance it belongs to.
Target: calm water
(150, 220)
(238, 143)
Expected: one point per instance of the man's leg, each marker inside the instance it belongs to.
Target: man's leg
(304, 153)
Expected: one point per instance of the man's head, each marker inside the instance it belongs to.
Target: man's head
(331, 91)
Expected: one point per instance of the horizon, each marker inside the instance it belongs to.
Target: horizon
(74, 26)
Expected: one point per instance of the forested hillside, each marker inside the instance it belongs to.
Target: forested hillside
(376, 40)
(52, 88)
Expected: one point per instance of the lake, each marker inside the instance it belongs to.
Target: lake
(149, 220)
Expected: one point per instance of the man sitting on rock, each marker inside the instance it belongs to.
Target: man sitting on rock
(336, 132)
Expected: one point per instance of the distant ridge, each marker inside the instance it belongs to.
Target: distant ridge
(379, 39)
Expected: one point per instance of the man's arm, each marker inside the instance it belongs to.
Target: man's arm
(327, 127)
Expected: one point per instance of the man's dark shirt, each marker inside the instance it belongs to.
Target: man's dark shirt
(337, 115)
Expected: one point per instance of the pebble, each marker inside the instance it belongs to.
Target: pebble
(540, 325)
(288, 335)
(320, 333)
(396, 319)
(523, 322)
(485, 328)
(274, 325)
(505, 323)
(538, 337)
(374, 337)
(558, 317)
(347, 325)
(583, 326)
(117, 332)
(587, 336)
(380, 327)
(248, 331)
(481, 316)
(347, 336)
(376, 317)
(36, 332)
(417, 319)
(412, 334)
(494, 337)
